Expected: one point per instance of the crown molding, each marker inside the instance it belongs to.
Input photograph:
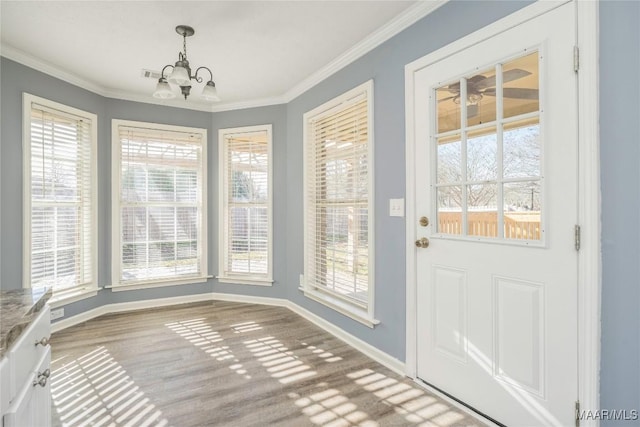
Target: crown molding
(401, 22)
(47, 68)
(407, 18)
(176, 102)
(252, 103)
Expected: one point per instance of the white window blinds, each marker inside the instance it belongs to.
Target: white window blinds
(337, 244)
(61, 198)
(246, 204)
(160, 204)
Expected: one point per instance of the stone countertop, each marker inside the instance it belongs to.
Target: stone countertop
(18, 308)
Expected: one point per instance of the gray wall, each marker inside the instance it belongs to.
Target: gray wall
(385, 65)
(16, 79)
(620, 168)
(620, 174)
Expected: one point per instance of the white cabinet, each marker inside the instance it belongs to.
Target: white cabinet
(25, 371)
(32, 405)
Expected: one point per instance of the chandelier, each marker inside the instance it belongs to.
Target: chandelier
(181, 74)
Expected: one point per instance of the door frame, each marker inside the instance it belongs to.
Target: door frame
(589, 259)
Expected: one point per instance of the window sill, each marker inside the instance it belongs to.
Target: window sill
(157, 284)
(69, 297)
(255, 281)
(340, 306)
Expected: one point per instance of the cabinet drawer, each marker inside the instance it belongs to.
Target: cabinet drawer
(25, 354)
(32, 404)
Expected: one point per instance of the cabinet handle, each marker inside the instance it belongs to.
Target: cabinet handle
(42, 382)
(46, 373)
(43, 342)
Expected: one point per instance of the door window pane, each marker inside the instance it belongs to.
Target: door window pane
(521, 149)
(449, 159)
(522, 210)
(481, 97)
(482, 214)
(521, 86)
(448, 107)
(481, 155)
(449, 209)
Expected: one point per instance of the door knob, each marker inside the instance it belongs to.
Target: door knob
(424, 221)
(422, 243)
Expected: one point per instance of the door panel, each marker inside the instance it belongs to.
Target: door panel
(495, 126)
(450, 310)
(520, 333)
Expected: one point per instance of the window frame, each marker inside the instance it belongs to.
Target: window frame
(91, 288)
(362, 313)
(223, 217)
(116, 230)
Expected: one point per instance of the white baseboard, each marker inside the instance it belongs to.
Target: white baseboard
(248, 299)
(158, 302)
(78, 318)
(126, 306)
(367, 349)
(362, 346)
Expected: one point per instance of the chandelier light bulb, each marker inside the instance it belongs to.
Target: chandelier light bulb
(163, 90)
(210, 93)
(180, 76)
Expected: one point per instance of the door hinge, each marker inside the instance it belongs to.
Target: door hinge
(577, 237)
(578, 413)
(576, 58)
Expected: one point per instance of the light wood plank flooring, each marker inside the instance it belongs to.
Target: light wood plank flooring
(227, 364)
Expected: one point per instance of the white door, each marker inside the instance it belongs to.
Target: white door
(497, 181)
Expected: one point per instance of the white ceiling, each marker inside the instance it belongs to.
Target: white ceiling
(259, 51)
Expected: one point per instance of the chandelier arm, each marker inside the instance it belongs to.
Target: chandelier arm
(165, 67)
(199, 79)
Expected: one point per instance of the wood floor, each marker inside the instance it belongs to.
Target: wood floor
(227, 364)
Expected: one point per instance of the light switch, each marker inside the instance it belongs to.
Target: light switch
(396, 207)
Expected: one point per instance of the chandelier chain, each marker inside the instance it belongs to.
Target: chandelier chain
(184, 45)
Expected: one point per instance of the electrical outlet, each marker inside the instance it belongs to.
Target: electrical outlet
(396, 207)
(57, 313)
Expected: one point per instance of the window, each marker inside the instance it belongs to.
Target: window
(488, 155)
(338, 200)
(245, 205)
(159, 205)
(59, 197)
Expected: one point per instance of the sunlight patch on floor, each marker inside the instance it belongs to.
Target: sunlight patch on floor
(331, 408)
(280, 362)
(95, 390)
(239, 328)
(204, 337)
(327, 356)
(409, 401)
